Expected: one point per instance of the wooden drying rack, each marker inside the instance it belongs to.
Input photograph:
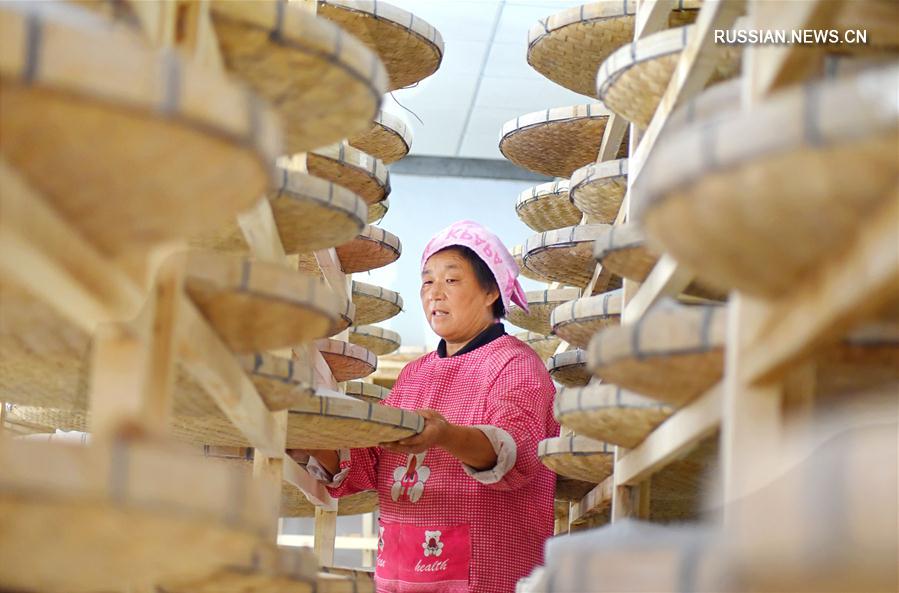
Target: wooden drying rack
(133, 361)
(770, 345)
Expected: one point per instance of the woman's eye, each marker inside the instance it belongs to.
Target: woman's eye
(451, 280)
(427, 282)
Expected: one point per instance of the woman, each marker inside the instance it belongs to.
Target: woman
(465, 505)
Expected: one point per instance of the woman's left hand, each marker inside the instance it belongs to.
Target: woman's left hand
(434, 434)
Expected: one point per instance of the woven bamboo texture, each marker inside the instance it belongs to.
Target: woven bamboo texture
(122, 193)
(372, 248)
(598, 189)
(623, 251)
(568, 47)
(378, 340)
(680, 490)
(517, 252)
(378, 210)
(104, 494)
(280, 381)
(254, 305)
(364, 175)
(43, 357)
(609, 414)
(375, 303)
(840, 133)
(564, 255)
(866, 359)
(556, 142)
(546, 207)
(347, 361)
(367, 391)
(544, 346)
(344, 422)
(578, 320)
(577, 457)
(673, 354)
(569, 368)
(571, 490)
(269, 569)
(540, 306)
(310, 214)
(324, 83)
(388, 139)
(632, 81)
(410, 48)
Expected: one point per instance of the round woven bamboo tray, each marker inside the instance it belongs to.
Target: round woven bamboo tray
(840, 133)
(546, 207)
(269, 569)
(347, 361)
(544, 346)
(367, 391)
(569, 368)
(200, 517)
(577, 457)
(375, 303)
(564, 255)
(578, 320)
(556, 142)
(609, 414)
(255, 305)
(293, 502)
(364, 175)
(378, 210)
(325, 84)
(571, 490)
(410, 48)
(344, 422)
(633, 79)
(279, 381)
(623, 250)
(310, 214)
(127, 187)
(568, 47)
(372, 248)
(388, 139)
(378, 340)
(673, 354)
(517, 252)
(598, 189)
(540, 305)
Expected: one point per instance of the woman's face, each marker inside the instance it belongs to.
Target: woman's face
(455, 305)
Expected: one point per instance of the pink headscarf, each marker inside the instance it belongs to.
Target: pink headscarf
(490, 249)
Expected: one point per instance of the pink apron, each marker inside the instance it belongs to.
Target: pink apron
(415, 559)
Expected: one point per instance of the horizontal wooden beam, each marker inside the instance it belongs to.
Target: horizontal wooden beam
(672, 439)
(315, 491)
(593, 502)
(848, 289)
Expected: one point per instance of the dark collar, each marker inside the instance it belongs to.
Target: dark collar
(485, 337)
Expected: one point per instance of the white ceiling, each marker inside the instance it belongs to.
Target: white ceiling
(484, 79)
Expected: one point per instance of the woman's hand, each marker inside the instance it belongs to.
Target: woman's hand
(434, 434)
(466, 443)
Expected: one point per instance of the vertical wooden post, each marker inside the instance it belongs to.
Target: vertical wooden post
(325, 534)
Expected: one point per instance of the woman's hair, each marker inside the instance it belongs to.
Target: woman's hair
(484, 276)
